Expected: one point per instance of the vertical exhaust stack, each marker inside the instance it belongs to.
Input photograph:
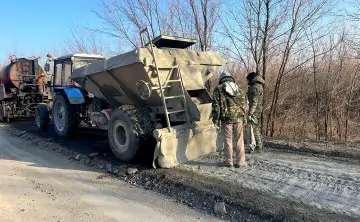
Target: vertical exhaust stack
(167, 79)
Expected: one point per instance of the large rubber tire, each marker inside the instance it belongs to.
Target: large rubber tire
(130, 130)
(42, 117)
(65, 117)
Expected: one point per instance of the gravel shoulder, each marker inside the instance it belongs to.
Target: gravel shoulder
(276, 186)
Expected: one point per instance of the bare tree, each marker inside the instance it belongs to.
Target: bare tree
(83, 41)
(204, 14)
(303, 15)
(125, 19)
(271, 30)
(349, 99)
(177, 20)
(316, 90)
(250, 28)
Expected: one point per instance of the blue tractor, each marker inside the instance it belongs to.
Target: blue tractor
(68, 101)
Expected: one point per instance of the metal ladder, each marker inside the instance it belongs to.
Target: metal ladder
(164, 86)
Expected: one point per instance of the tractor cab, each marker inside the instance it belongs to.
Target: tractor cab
(64, 91)
(63, 66)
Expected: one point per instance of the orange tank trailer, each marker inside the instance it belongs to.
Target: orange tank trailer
(22, 87)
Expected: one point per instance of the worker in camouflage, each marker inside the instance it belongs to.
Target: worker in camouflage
(229, 109)
(255, 96)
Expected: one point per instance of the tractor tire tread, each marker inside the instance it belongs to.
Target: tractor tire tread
(141, 125)
(44, 117)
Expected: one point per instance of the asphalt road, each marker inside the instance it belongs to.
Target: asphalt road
(40, 185)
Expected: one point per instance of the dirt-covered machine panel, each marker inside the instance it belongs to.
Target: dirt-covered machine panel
(168, 80)
(22, 87)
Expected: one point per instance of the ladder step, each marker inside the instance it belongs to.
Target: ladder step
(167, 67)
(176, 111)
(174, 97)
(158, 87)
(175, 80)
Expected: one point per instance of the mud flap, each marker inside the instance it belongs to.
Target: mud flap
(185, 143)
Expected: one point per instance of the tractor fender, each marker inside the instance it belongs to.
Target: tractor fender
(74, 95)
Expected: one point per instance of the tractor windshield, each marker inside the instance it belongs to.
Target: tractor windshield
(62, 72)
(65, 78)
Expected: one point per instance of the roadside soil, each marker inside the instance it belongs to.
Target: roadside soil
(295, 185)
(289, 186)
(331, 149)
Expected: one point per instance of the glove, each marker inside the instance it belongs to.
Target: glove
(252, 120)
(249, 118)
(217, 128)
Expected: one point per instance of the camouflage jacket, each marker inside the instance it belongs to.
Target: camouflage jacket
(255, 96)
(226, 107)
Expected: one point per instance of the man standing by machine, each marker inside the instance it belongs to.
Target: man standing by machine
(255, 96)
(229, 109)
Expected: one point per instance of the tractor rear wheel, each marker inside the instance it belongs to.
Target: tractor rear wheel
(42, 117)
(65, 116)
(130, 131)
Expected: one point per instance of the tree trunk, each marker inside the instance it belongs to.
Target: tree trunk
(347, 111)
(265, 56)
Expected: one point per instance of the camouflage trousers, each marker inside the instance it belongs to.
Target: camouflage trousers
(234, 131)
(257, 134)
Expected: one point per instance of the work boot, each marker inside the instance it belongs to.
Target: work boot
(240, 165)
(258, 149)
(229, 165)
(249, 151)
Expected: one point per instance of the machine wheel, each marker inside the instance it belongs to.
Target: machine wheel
(130, 128)
(1, 113)
(64, 116)
(42, 117)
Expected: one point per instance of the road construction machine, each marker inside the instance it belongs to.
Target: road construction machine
(152, 98)
(64, 91)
